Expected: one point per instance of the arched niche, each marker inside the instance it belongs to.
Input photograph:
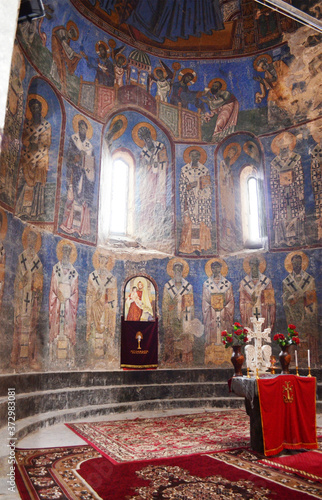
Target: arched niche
(139, 325)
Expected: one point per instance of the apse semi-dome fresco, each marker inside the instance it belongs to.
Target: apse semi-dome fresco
(166, 155)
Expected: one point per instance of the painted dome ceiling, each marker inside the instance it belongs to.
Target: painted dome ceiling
(186, 28)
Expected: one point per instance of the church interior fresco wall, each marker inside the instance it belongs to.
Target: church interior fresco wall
(271, 117)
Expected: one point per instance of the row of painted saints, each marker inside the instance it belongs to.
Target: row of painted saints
(195, 192)
(256, 296)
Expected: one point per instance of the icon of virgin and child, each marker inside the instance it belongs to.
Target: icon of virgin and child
(139, 301)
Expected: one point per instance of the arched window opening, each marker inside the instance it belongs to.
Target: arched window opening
(253, 209)
(117, 196)
(251, 205)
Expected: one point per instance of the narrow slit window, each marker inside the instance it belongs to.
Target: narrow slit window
(253, 209)
(119, 197)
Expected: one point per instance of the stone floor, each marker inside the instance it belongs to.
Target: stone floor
(60, 435)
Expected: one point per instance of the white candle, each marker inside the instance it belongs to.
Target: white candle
(296, 359)
(308, 359)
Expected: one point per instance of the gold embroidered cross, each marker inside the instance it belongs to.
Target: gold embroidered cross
(288, 389)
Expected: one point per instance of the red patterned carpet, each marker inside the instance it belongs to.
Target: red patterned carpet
(163, 437)
(80, 472)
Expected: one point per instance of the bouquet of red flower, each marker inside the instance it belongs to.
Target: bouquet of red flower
(237, 337)
(292, 337)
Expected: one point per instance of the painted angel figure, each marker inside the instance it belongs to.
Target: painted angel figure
(163, 77)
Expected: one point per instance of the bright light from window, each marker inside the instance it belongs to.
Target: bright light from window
(119, 197)
(253, 209)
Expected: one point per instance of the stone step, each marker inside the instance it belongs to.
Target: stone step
(30, 382)
(31, 424)
(33, 403)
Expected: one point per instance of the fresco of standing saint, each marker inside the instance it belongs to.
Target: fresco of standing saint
(218, 306)
(228, 196)
(80, 164)
(34, 159)
(300, 304)
(287, 192)
(101, 307)
(316, 173)
(3, 232)
(153, 171)
(256, 293)
(177, 314)
(195, 202)
(28, 289)
(63, 304)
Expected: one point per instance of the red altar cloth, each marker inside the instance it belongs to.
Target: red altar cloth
(288, 413)
(139, 353)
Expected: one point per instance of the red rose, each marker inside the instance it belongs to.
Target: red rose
(245, 339)
(237, 324)
(281, 336)
(296, 340)
(295, 334)
(276, 336)
(292, 327)
(245, 330)
(224, 333)
(224, 342)
(238, 332)
(229, 339)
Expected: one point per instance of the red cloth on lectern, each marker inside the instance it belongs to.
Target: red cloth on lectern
(288, 412)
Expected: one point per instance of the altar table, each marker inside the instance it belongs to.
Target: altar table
(282, 411)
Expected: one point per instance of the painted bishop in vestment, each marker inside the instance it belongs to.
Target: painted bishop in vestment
(28, 288)
(63, 304)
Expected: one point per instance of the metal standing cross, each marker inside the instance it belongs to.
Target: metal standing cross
(258, 355)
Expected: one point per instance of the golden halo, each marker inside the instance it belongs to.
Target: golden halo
(118, 56)
(223, 83)
(286, 139)
(136, 129)
(176, 66)
(288, 264)
(100, 42)
(177, 260)
(261, 267)
(261, 57)
(25, 238)
(203, 154)
(76, 120)
(4, 226)
(248, 151)
(111, 260)
(188, 70)
(44, 105)
(224, 268)
(59, 250)
(122, 130)
(72, 24)
(236, 155)
(165, 74)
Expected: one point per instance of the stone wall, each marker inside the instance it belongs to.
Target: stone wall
(192, 130)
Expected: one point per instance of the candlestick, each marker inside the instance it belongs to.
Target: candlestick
(309, 374)
(257, 376)
(308, 359)
(296, 358)
(248, 373)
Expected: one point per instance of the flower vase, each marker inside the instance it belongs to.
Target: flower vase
(285, 359)
(237, 360)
